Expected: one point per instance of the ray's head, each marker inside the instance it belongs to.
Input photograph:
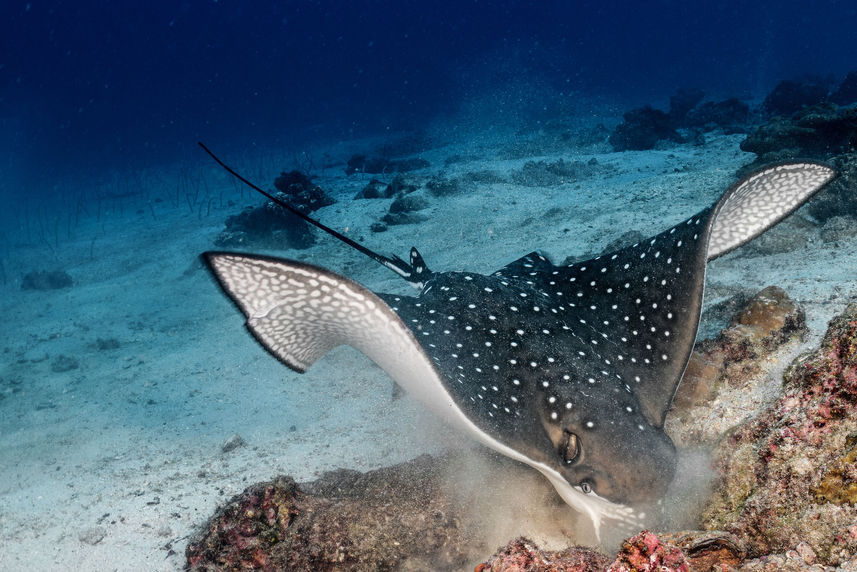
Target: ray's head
(610, 450)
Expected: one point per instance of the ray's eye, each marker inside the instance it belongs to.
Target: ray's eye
(586, 487)
(569, 448)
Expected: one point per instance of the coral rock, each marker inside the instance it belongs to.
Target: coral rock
(641, 129)
(767, 321)
(731, 115)
(707, 550)
(375, 189)
(407, 204)
(266, 226)
(300, 192)
(386, 519)
(839, 199)
(646, 552)
(644, 127)
(817, 132)
(522, 555)
(791, 96)
(786, 476)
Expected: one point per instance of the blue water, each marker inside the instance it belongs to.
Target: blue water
(102, 85)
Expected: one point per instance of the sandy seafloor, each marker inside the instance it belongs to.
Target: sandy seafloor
(128, 445)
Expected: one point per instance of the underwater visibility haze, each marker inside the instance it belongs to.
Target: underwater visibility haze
(628, 234)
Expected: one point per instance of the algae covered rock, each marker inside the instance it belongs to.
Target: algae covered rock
(298, 189)
(266, 226)
(785, 498)
(818, 132)
(790, 96)
(786, 477)
(522, 554)
(391, 518)
(762, 324)
(642, 128)
(646, 552)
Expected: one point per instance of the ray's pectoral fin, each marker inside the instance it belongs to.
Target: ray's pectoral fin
(761, 200)
(299, 312)
(638, 308)
(746, 210)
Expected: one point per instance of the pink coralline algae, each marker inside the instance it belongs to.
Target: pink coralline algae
(240, 537)
(522, 555)
(788, 476)
(646, 552)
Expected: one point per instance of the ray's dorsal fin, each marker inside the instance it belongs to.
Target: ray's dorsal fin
(416, 275)
(531, 264)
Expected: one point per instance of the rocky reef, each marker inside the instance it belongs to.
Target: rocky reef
(267, 226)
(299, 191)
(523, 554)
(807, 123)
(272, 226)
(819, 132)
(803, 120)
(389, 519)
(762, 324)
(790, 96)
(823, 132)
(644, 127)
(788, 476)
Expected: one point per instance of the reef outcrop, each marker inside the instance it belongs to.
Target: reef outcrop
(790, 96)
(272, 226)
(788, 476)
(522, 554)
(299, 191)
(644, 127)
(391, 518)
(823, 132)
(761, 325)
(819, 132)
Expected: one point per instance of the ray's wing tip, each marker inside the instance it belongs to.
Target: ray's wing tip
(212, 259)
(825, 171)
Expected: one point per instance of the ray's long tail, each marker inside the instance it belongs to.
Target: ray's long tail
(416, 272)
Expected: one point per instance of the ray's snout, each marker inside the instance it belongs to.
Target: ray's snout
(650, 474)
(628, 468)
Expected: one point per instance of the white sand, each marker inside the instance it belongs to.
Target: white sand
(112, 465)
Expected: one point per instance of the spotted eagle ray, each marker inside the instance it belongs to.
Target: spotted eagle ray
(569, 369)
